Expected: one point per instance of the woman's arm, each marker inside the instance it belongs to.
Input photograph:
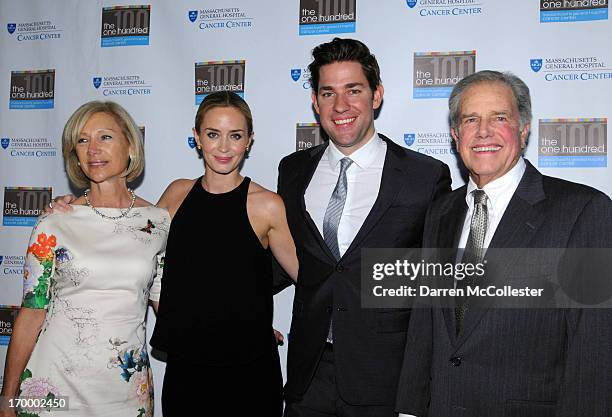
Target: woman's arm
(39, 269)
(155, 290)
(25, 333)
(279, 237)
(171, 200)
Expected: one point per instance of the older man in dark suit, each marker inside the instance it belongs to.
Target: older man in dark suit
(359, 190)
(477, 360)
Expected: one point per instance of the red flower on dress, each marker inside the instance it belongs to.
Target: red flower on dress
(43, 247)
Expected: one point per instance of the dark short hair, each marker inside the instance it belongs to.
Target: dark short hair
(518, 87)
(342, 50)
(224, 99)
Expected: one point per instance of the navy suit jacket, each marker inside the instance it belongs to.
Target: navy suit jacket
(368, 344)
(515, 362)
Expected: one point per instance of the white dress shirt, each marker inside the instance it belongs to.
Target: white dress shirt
(499, 193)
(363, 183)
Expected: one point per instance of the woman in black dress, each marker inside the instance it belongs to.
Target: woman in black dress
(218, 278)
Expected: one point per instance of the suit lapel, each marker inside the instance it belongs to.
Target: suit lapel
(305, 177)
(521, 219)
(392, 181)
(449, 236)
(518, 226)
(453, 217)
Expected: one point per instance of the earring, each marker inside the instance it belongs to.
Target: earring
(198, 147)
(78, 163)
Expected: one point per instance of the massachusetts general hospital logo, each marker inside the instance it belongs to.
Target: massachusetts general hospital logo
(572, 68)
(37, 30)
(221, 18)
(295, 74)
(409, 138)
(430, 143)
(29, 147)
(536, 64)
(191, 142)
(447, 8)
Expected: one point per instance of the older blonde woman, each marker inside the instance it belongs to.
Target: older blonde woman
(89, 275)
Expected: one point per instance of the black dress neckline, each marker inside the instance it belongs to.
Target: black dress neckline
(245, 181)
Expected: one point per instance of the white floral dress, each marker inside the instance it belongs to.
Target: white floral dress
(94, 276)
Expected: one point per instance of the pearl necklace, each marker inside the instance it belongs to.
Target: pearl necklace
(123, 213)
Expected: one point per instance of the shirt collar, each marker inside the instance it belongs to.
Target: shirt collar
(500, 190)
(362, 157)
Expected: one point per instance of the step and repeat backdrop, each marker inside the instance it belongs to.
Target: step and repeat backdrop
(159, 59)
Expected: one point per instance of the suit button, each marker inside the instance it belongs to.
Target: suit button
(339, 268)
(455, 361)
(341, 309)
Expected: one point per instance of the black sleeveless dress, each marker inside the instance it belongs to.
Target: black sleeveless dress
(215, 311)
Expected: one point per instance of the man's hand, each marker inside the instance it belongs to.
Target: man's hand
(61, 204)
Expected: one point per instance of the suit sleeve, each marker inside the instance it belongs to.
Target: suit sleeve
(443, 183)
(413, 394)
(280, 279)
(587, 379)
(413, 391)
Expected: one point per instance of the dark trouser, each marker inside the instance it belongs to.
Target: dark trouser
(322, 398)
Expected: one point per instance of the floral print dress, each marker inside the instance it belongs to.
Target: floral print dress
(94, 276)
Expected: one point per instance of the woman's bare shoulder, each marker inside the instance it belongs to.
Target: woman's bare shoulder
(178, 187)
(181, 184)
(175, 193)
(264, 198)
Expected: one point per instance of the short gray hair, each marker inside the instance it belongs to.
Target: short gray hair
(518, 87)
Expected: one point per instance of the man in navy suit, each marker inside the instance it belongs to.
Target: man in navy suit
(476, 359)
(358, 190)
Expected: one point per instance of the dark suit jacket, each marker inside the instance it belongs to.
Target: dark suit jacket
(368, 344)
(515, 362)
